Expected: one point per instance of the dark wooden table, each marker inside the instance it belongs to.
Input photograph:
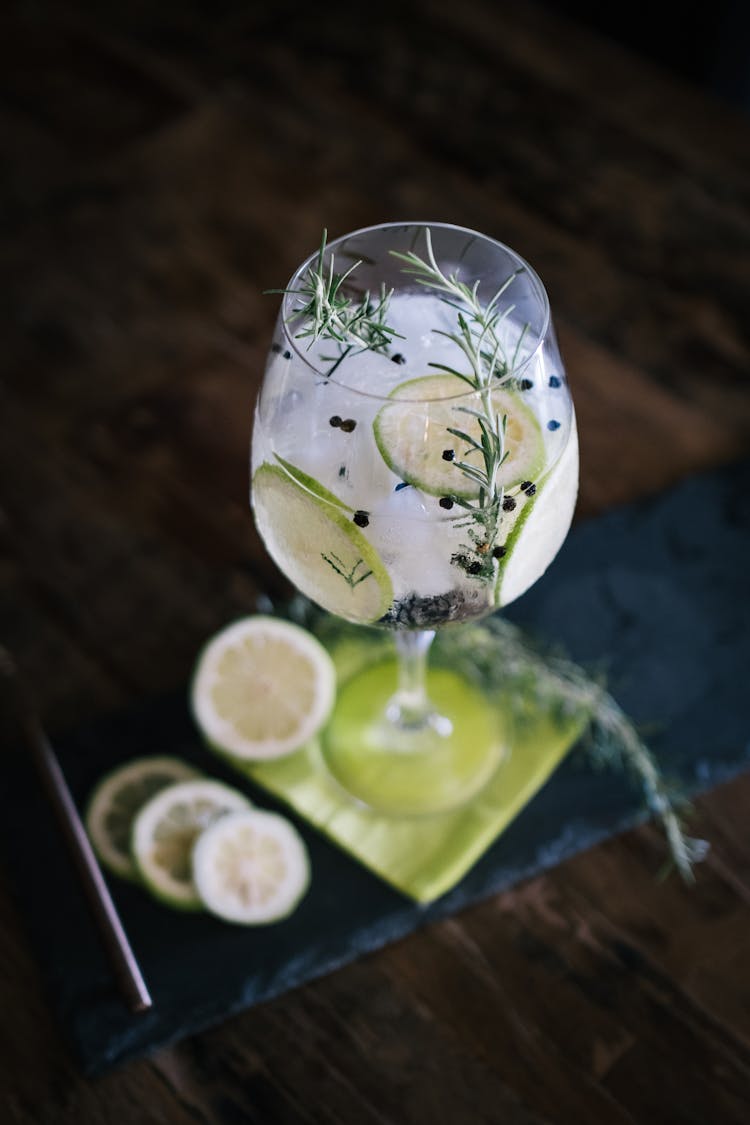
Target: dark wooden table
(165, 162)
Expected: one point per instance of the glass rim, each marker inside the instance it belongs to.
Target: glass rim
(470, 393)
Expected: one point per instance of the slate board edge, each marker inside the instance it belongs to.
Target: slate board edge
(406, 917)
(370, 941)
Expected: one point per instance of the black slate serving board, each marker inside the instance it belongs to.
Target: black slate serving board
(656, 594)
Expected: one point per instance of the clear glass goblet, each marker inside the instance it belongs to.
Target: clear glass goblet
(414, 466)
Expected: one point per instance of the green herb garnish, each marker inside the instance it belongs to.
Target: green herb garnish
(501, 659)
(328, 312)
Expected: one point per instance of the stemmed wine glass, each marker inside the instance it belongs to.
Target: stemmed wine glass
(414, 466)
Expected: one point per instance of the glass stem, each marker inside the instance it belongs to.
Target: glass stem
(410, 707)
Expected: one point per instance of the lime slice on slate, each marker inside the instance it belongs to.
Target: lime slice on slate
(165, 830)
(318, 546)
(116, 800)
(251, 867)
(412, 435)
(262, 688)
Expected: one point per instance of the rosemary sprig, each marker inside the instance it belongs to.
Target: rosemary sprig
(478, 323)
(492, 449)
(328, 312)
(503, 662)
(350, 576)
(530, 680)
(478, 338)
(614, 741)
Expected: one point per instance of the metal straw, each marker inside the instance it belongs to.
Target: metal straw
(120, 954)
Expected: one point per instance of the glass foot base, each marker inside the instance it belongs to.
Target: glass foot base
(405, 771)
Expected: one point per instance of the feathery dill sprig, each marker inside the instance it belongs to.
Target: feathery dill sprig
(328, 312)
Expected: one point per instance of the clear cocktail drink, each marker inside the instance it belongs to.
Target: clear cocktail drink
(416, 468)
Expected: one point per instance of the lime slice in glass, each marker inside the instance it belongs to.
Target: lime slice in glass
(118, 797)
(318, 545)
(262, 688)
(540, 527)
(310, 484)
(412, 435)
(425, 771)
(251, 867)
(165, 830)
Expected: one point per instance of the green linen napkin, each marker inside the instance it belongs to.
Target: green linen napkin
(427, 855)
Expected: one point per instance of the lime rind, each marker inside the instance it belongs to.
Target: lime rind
(320, 549)
(310, 484)
(412, 432)
(549, 512)
(116, 800)
(219, 731)
(251, 868)
(165, 831)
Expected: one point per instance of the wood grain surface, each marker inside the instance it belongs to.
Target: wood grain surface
(163, 163)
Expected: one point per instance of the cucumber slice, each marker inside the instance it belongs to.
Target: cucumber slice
(262, 688)
(116, 800)
(251, 868)
(411, 433)
(165, 831)
(318, 546)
